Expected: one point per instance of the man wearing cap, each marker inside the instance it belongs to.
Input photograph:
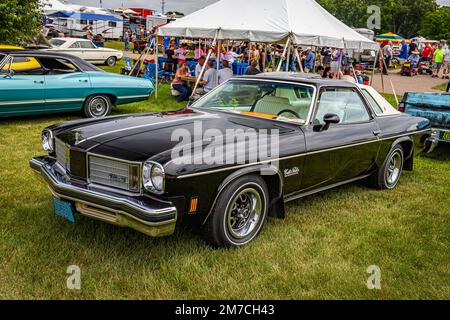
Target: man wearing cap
(309, 62)
(414, 58)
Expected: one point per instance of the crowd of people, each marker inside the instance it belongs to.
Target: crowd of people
(327, 62)
(436, 56)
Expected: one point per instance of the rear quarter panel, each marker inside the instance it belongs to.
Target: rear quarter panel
(124, 88)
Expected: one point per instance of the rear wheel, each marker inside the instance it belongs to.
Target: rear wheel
(97, 106)
(388, 176)
(111, 61)
(239, 213)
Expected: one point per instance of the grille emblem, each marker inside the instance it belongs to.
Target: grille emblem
(115, 178)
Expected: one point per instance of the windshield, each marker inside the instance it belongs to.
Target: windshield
(272, 100)
(57, 42)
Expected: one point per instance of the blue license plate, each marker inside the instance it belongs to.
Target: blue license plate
(63, 209)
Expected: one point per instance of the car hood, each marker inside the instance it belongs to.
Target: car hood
(153, 136)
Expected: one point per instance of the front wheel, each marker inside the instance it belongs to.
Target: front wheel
(239, 213)
(388, 176)
(97, 106)
(111, 61)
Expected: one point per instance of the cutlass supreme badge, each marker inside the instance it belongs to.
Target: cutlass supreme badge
(291, 172)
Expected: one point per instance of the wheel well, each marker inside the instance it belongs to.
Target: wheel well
(276, 203)
(111, 97)
(408, 147)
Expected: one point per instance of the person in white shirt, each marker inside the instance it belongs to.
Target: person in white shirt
(225, 73)
(199, 66)
(209, 80)
(231, 56)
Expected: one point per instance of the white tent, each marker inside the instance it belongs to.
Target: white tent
(304, 21)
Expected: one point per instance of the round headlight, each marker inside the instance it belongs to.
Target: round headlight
(153, 177)
(47, 141)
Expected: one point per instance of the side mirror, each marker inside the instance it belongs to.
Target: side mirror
(330, 118)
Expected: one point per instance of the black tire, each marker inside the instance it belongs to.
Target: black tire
(111, 61)
(97, 106)
(388, 176)
(228, 227)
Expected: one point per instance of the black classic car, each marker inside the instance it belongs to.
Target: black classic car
(153, 172)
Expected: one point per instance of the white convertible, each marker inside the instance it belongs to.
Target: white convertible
(86, 50)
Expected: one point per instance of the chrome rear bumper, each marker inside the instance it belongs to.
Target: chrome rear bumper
(147, 215)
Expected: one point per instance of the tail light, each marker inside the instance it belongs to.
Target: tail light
(401, 107)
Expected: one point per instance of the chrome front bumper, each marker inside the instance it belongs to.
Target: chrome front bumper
(150, 216)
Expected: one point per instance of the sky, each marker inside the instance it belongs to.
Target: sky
(184, 6)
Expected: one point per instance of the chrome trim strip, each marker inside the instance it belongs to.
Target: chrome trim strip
(13, 103)
(133, 97)
(297, 195)
(64, 100)
(294, 156)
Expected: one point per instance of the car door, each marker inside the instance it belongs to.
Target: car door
(75, 49)
(346, 150)
(67, 87)
(22, 90)
(91, 53)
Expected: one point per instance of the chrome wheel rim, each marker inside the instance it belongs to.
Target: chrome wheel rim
(111, 62)
(244, 213)
(98, 107)
(394, 168)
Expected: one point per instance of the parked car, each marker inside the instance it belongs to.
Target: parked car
(134, 171)
(20, 63)
(433, 106)
(86, 50)
(57, 82)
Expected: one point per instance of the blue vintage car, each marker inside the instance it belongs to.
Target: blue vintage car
(57, 82)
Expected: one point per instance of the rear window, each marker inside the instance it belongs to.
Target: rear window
(57, 42)
(373, 103)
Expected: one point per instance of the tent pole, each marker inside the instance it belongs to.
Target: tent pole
(299, 61)
(197, 81)
(283, 56)
(374, 67)
(157, 66)
(288, 58)
(265, 58)
(219, 51)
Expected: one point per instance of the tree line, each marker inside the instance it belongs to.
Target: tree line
(408, 18)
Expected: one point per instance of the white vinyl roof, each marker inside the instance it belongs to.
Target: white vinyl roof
(305, 21)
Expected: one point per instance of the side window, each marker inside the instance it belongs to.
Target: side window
(75, 45)
(24, 66)
(373, 103)
(345, 102)
(87, 45)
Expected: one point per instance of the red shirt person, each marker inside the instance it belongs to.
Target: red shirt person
(426, 52)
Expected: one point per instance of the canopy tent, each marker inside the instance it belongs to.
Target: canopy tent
(390, 37)
(84, 16)
(305, 22)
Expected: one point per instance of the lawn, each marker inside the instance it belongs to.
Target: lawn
(321, 250)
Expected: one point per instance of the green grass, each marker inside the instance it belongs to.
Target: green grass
(321, 250)
(441, 87)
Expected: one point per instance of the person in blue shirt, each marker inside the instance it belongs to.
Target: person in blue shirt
(404, 50)
(414, 58)
(309, 63)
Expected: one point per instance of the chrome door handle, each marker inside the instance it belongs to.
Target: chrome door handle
(83, 80)
(376, 132)
(39, 82)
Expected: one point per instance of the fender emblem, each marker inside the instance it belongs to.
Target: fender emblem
(291, 172)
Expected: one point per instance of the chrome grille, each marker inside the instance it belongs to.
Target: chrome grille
(62, 154)
(114, 173)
